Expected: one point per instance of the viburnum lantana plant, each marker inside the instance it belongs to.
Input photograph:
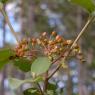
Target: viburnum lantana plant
(38, 55)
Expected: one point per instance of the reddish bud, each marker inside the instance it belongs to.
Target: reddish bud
(44, 34)
(53, 33)
(58, 38)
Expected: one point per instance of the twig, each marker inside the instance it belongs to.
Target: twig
(8, 22)
(75, 41)
(83, 30)
(46, 81)
(40, 89)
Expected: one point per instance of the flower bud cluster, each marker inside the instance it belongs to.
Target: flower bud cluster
(51, 46)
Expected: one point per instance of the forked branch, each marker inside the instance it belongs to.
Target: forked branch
(72, 46)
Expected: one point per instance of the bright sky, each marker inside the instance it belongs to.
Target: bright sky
(10, 8)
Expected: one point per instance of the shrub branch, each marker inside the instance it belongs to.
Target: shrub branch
(90, 19)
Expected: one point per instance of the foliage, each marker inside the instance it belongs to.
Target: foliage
(31, 91)
(23, 64)
(5, 55)
(40, 65)
(3, 1)
(87, 4)
(37, 55)
(15, 83)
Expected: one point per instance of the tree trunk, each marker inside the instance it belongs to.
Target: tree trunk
(27, 17)
(82, 72)
(69, 84)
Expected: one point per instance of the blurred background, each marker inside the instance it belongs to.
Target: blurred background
(31, 17)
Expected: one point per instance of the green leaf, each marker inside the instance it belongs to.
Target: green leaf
(4, 56)
(16, 83)
(31, 91)
(87, 4)
(40, 65)
(52, 87)
(3, 1)
(23, 64)
(50, 92)
(5, 53)
(38, 79)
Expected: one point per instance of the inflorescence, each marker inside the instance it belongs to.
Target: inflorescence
(51, 46)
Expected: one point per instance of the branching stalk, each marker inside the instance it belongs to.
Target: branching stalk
(83, 30)
(40, 89)
(75, 41)
(8, 22)
(46, 82)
